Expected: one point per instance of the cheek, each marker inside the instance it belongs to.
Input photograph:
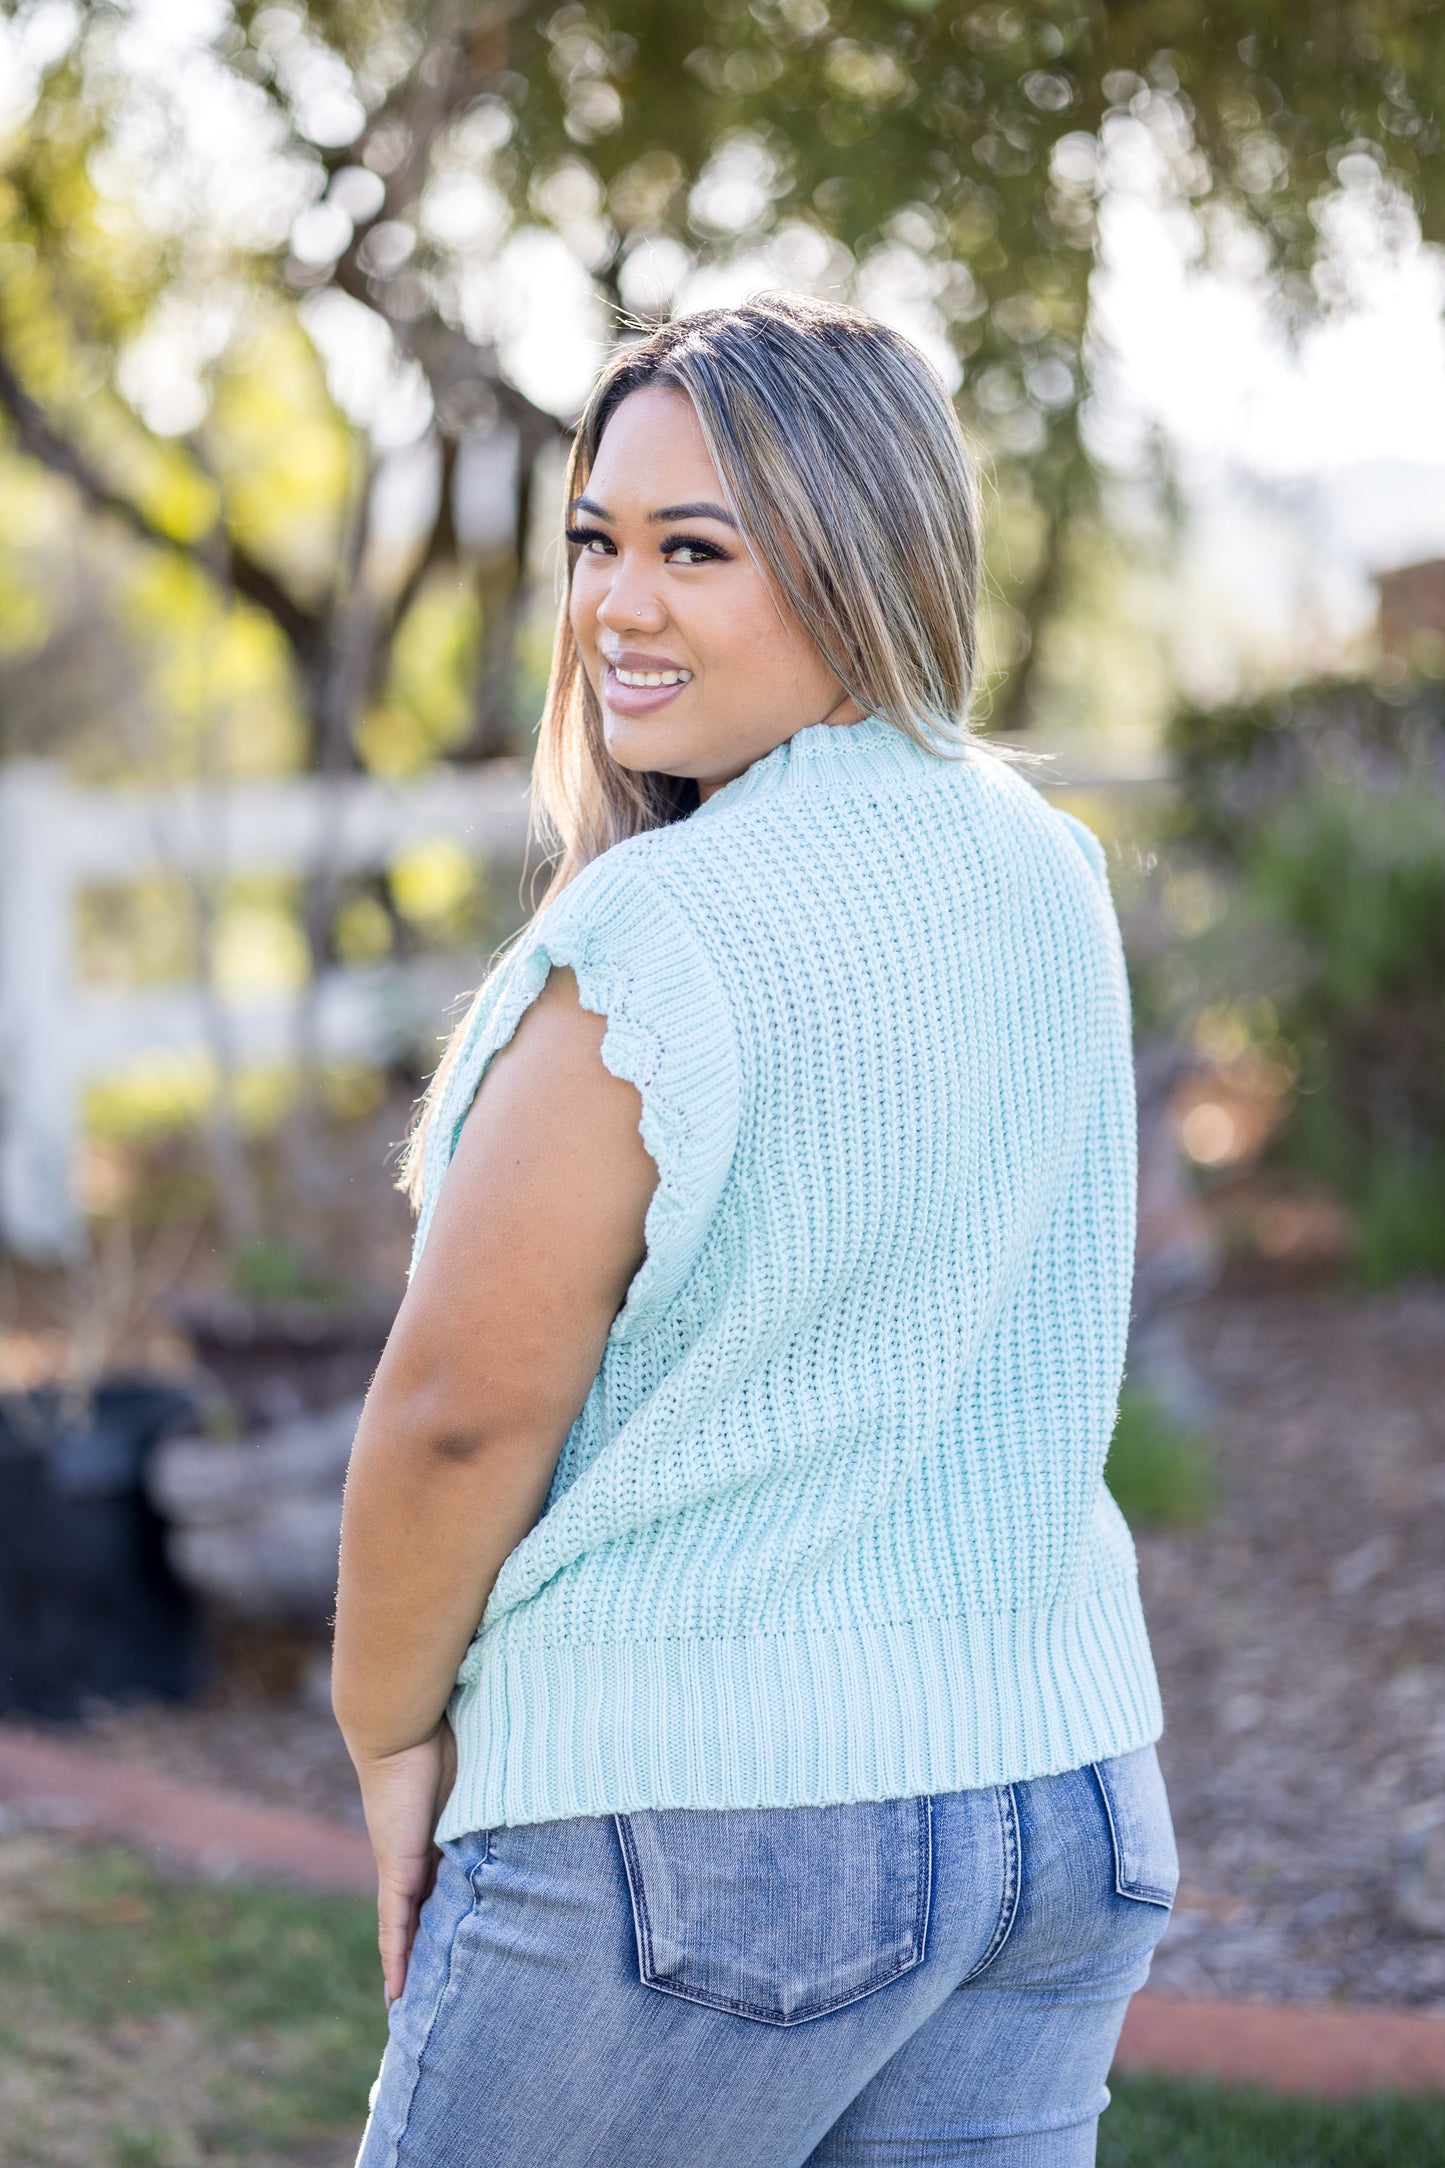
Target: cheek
(744, 631)
(778, 658)
(581, 609)
(588, 595)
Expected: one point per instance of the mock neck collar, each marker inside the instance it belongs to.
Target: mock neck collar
(826, 753)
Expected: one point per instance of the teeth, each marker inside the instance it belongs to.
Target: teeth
(652, 677)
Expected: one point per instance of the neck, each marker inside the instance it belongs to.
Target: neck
(843, 710)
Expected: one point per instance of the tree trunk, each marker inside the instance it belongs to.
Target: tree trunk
(505, 589)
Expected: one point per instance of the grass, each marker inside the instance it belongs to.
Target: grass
(1154, 2122)
(152, 2024)
(1161, 1474)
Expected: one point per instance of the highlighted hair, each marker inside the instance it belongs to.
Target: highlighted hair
(843, 461)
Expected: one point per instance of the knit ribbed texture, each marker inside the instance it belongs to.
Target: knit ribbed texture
(831, 1525)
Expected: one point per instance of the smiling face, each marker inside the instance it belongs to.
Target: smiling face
(698, 666)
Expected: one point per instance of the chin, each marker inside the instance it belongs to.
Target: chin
(643, 748)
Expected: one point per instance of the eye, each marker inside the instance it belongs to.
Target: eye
(584, 538)
(689, 549)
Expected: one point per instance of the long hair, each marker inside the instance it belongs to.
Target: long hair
(842, 459)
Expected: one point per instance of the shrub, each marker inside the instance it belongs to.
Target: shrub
(1159, 1472)
(1330, 819)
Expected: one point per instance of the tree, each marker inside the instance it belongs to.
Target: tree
(966, 152)
(81, 285)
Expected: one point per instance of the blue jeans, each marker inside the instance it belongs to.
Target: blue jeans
(908, 1981)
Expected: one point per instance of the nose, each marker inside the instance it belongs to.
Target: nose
(630, 601)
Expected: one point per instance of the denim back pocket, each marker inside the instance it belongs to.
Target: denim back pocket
(779, 1913)
(1146, 1863)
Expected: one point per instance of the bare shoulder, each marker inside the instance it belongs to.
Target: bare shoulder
(556, 1050)
(552, 1134)
(539, 1229)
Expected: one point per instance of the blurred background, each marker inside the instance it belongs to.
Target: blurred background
(296, 306)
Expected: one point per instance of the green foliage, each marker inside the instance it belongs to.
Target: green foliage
(286, 454)
(1329, 813)
(1236, 765)
(1168, 2123)
(1398, 1197)
(425, 708)
(1356, 867)
(438, 886)
(942, 128)
(271, 1270)
(137, 933)
(1159, 1472)
(215, 673)
(171, 1088)
(1353, 871)
(26, 611)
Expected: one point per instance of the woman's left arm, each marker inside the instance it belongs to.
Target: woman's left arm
(537, 1234)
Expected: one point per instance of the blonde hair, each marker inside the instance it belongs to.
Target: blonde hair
(843, 460)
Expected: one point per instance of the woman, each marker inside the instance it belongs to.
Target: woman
(795, 1794)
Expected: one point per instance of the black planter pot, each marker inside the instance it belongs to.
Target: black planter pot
(275, 1361)
(88, 1604)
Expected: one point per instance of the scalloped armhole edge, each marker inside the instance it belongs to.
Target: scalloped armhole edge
(633, 1052)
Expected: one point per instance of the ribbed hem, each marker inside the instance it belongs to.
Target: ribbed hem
(796, 1720)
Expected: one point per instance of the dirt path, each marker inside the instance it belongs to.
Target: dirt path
(1301, 1643)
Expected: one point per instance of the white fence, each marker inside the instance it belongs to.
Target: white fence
(57, 839)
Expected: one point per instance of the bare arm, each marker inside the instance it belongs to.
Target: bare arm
(537, 1235)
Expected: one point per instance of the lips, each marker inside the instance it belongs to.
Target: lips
(639, 684)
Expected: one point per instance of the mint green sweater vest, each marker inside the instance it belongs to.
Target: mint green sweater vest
(831, 1525)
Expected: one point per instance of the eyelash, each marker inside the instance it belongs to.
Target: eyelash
(708, 552)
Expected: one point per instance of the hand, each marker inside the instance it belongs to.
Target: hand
(403, 1795)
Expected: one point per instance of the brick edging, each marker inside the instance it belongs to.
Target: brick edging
(1281, 2047)
(1285, 2047)
(87, 1794)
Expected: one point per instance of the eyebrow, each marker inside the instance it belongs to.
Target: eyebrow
(661, 517)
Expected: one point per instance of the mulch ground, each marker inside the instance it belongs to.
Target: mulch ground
(1301, 1644)
(1300, 1639)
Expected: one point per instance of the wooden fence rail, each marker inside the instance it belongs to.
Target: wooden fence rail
(58, 838)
